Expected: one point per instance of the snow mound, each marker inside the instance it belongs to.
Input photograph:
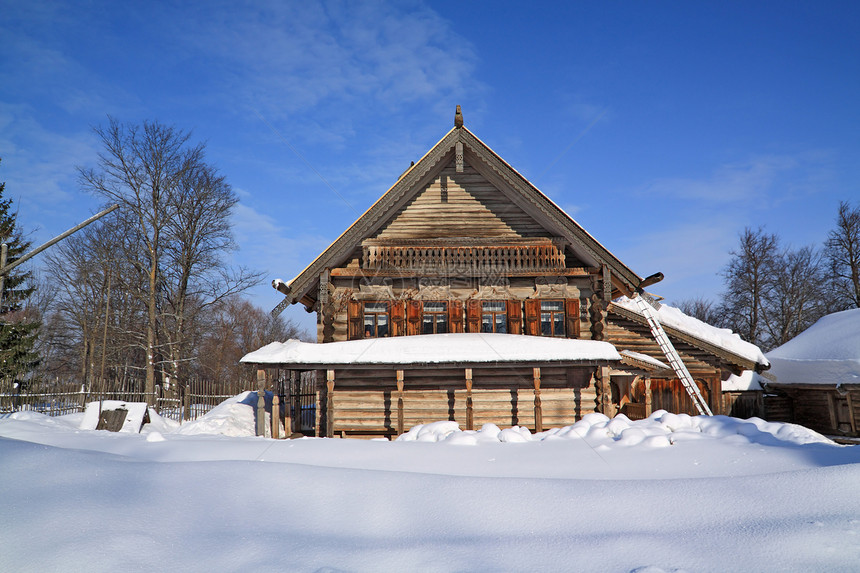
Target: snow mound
(659, 430)
(234, 416)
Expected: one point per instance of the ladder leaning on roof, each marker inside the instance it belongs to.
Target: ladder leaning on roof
(647, 310)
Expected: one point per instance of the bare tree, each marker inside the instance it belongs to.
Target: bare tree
(748, 277)
(175, 228)
(234, 328)
(843, 253)
(701, 308)
(796, 298)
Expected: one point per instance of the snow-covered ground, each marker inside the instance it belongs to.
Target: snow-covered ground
(671, 493)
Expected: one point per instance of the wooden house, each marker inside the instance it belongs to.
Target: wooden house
(462, 244)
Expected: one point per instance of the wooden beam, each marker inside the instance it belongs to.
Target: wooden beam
(831, 408)
(276, 417)
(261, 402)
(295, 424)
(538, 411)
(470, 414)
(399, 402)
(648, 399)
(851, 415)
(329, 408)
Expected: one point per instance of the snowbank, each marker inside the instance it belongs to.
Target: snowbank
(828, 352)
(659, 430)
(722, 337)
(434, 349)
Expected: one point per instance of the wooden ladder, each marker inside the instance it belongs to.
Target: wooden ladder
(672, 355)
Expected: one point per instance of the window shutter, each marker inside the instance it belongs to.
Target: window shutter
(455, 316)
(515, 317)
(414, 310)
(354, 318)
(473, 316)
(571, 314)
(398, 317)
(532, 312)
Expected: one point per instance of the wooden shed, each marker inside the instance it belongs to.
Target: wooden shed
(462, 243)
(815, 379)
(384, 386)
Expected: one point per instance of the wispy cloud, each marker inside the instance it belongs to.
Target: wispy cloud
(762, 179)
(287, 58)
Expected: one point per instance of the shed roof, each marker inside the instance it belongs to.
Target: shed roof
(436, 349)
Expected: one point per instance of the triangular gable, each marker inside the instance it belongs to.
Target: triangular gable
(455, 202)
(503, 178)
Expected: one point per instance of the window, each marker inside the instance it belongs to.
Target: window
(435, 318)
(376, 320)
(494, 317)
(552, 318)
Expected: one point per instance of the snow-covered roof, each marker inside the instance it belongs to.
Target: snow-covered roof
(435, 349)
(638, 356)
(748, 380)
(828, 352)
(720, 337)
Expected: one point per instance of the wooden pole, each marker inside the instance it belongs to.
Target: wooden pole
(399, 402)
(851, 417)
(538, 410)
(648, 399)
(276, 416)
(296, 393)
(470, 414)
(186, 403)
(288, 399)
(261, 402)
(329, 407)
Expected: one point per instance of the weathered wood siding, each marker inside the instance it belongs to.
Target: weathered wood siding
(366, 401)
(458, 205)
(822, 409)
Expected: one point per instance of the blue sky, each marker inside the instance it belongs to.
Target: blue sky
(663, 128)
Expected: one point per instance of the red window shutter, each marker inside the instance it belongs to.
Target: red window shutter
(414, 310)
(355, 318)
(398, 317)
(473, 316)
(515, 317)
(571, 314)
(532, 312)
(455, 316)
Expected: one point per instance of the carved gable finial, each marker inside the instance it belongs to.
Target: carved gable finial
(458, 118)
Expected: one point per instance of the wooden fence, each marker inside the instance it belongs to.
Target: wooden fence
(179, 403)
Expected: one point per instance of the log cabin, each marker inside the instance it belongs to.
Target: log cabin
(465, 259)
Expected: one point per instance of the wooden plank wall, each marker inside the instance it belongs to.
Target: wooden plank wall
(455, 198)
(827, 411)
(365, 401)
(749, 404)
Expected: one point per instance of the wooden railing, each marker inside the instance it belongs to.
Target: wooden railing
(542, 256)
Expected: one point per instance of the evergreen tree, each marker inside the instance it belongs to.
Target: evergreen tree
(18, 331)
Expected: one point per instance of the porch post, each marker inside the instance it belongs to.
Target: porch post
(399, 402)
(470, 415)
(276, 416)
(648, 404)
(329, 406)
(261, 402)
(538, 410)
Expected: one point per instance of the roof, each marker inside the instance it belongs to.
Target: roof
(720, 342)
(828, 352)
(454, 348)
(509, 182)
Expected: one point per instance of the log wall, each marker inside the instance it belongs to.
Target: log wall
(366, 401)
